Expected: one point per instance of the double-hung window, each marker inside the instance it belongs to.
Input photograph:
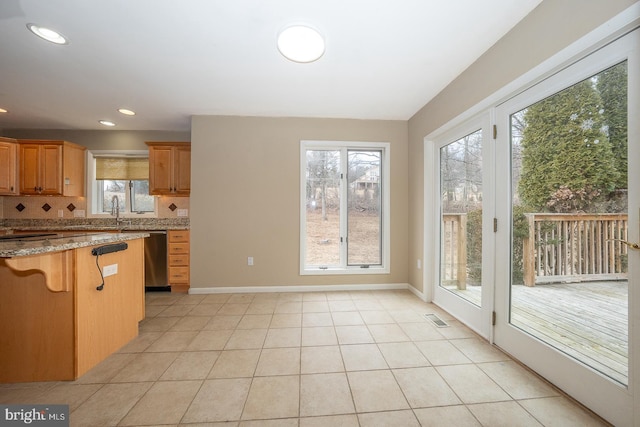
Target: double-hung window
(344, 213)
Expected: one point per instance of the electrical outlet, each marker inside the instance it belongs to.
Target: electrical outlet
(419, 264)
(79, 213)
(183, 212)
(60, 213)
(250, 260)
(110, 270)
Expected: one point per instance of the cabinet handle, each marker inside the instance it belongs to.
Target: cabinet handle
(35, 188)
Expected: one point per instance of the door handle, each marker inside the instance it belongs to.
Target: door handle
(629, 244)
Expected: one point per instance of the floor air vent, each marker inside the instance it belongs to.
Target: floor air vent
(436, 320)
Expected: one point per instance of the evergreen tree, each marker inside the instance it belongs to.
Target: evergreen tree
(567, 159)
(612, 85)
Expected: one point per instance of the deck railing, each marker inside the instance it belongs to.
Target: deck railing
(454, 250)
(558, 247)
(562, 247)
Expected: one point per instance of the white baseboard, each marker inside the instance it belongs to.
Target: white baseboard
(418, 293)
(302, 288)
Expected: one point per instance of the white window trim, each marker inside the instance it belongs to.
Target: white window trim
(93, 210)
(385, 267)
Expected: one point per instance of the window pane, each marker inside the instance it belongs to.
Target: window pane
(323, 208)
(141, 201)
(364, 223)
(569, 275)
(111, 189)
(461, 217)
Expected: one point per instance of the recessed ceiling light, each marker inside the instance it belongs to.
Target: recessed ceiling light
(300, 43)
(106, 123)
(2, 110)
(48, 34)
(126, 112)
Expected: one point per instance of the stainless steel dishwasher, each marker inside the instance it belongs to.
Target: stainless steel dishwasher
(155, 262)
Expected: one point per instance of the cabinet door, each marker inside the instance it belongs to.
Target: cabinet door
(29, 168)
(182, 170)
(8, 159)
(51, 169)
(73, 176)
(160, 162)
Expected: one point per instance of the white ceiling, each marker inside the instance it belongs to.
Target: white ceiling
(171, 59)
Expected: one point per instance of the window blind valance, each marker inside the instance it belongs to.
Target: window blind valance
(122, 168)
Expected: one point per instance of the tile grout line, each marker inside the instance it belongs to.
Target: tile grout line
(394, 303)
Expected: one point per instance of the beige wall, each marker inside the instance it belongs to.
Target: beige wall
(549, 28)
(245, 198)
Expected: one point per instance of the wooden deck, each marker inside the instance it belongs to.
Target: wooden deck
(588, 321)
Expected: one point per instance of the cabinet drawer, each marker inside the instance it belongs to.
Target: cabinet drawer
(178, 236)
(178, 275)
(178, 248)
(179, 260)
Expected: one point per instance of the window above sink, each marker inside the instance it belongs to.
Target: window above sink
(118, 183)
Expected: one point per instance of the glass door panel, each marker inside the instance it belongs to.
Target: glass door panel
(569, 281)
(461, 217)
(463, 237)
(567, 161)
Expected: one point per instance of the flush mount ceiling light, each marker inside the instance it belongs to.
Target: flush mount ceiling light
(300, 43)
(2, 110)
(106, 123)
(47, 34)
(126, 112)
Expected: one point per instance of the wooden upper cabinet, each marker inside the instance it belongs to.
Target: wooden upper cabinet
(51, 168)
(160, 165)
(40, 167)
(169, 168)
(8, 167)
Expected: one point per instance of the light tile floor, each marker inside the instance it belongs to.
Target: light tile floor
(365, 358)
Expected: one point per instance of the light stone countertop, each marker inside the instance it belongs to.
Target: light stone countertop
(94, 225)
(10, 248)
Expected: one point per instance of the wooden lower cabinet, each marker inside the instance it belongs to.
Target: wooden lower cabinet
(54, 324)
(178, 252)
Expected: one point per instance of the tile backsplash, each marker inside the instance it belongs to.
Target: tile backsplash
(56, 207)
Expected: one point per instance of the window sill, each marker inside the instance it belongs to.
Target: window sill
(124, 216)
(316, 271)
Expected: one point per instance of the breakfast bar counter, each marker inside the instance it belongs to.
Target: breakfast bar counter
(16, 245)
(67, 301)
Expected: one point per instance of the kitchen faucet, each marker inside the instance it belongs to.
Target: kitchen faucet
(115, 208)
